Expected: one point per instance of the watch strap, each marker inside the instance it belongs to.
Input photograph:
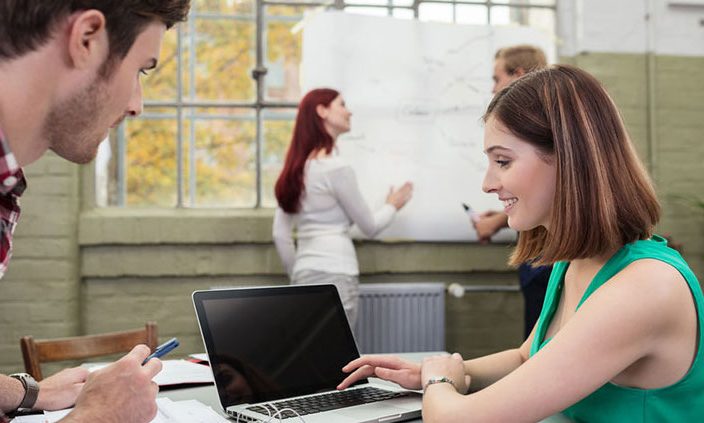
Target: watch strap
(31, 389)
(438, 379)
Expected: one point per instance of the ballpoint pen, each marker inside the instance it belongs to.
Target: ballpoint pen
(162, 349)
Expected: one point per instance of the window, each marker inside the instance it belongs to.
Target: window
(219, 109)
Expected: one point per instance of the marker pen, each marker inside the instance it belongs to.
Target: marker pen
(471, 213)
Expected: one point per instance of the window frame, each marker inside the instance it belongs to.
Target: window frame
(187, 198)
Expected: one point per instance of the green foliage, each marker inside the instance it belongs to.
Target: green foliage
(219, 150)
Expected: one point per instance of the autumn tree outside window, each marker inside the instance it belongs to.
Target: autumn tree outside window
(211, 135)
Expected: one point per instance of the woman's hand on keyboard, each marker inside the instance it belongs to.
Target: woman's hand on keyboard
(387, 367)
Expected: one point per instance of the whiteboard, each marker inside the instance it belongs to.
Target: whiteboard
(417, 91)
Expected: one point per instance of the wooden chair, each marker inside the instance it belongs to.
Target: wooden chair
(39, 351)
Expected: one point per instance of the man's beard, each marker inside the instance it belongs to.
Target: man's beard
(70, 127)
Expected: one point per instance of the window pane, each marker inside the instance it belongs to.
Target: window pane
(527, 2)
(367, 2)
(106, 173)
(500, 15)
(160, 83)
(471, 14)
(372, 11)
(543, 20)
(224, 57)
(539, 18)
(436, 12)
(278, 127)
(222, 6)
(221, 157)
(403, 13)
(283, 53)
(402, 2)
(151, 158)
(308, 3)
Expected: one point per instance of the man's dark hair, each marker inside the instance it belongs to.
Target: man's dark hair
(25, 25)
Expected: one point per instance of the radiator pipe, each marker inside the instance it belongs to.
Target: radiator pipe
(456, 290)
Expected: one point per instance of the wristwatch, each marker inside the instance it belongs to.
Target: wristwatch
(31, 389)
(439, 379)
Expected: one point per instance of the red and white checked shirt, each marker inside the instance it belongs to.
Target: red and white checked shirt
(12, 185)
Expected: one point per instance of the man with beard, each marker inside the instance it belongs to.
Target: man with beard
(69, 70)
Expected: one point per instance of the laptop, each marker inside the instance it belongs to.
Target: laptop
(277, 353)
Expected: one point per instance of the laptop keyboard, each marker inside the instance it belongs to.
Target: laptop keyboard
(326, 402)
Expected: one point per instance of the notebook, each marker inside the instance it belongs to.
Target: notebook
(277, 352)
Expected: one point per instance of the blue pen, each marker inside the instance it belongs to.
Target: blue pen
(162, 349)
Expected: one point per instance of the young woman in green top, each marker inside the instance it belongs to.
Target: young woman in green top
(620, 332)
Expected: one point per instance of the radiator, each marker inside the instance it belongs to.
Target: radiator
(401, 317)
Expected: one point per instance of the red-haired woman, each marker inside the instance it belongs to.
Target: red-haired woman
(319, 196)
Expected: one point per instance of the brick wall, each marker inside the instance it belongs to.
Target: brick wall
(39, 294)
(669, 138)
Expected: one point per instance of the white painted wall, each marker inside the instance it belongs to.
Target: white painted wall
(679, 30)
(666, 27)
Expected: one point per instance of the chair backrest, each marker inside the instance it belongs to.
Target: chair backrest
(39, 351)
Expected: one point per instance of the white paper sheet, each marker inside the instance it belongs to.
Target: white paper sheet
(174, 372)
(187, 411)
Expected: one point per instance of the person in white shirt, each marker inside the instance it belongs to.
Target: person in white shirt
(318, 195)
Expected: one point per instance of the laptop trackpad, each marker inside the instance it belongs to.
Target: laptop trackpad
(372, 412)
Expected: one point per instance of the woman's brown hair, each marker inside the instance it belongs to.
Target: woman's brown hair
(603, 198)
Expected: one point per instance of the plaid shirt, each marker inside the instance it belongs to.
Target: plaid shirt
(12, 185)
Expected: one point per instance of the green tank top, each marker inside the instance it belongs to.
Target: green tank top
(681, 402)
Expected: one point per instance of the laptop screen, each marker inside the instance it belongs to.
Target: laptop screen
(274, 342)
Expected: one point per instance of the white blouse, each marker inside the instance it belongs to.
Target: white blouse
(330, 204)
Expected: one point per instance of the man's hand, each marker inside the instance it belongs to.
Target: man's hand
(59, 391)
(489, 223)
(121, 392)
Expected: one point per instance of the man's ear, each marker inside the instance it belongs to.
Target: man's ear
(519, 72)
(321, 110)
(88, 39)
